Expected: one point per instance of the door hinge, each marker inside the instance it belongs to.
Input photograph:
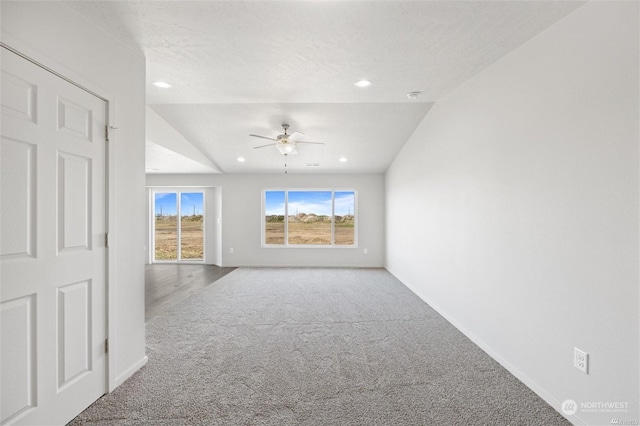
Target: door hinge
(106, 131)
(106, 239)
(106, 346)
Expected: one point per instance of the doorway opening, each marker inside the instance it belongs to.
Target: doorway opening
(178, 226)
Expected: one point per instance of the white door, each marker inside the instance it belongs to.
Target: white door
(52, 227)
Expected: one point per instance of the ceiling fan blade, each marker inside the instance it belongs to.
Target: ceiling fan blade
(262, 146)
(295, 135)
(264, 137)
(315, 143)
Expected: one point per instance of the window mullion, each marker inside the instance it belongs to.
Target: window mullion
(333, 218)
(286, 218)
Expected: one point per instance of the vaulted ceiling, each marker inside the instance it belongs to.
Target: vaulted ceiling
(246, 67)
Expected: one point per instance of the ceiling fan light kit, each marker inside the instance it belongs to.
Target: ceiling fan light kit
(287, 148)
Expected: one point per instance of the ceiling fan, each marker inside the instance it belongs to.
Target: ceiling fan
(286, 143)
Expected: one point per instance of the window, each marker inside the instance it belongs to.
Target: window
(296, 218)
(178, 240)
(344, 217)
(274, 230)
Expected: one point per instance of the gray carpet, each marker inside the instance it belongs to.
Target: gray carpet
(314, 347)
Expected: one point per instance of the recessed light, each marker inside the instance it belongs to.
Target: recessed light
(413, 95)
(363, 83)
(313, 164)
(342, 160)
(162, 84)
(241, 159)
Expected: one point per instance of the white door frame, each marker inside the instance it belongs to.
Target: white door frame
(109, 177)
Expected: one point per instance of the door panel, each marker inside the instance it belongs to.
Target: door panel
(191, 226)
(18, 199)
(74, 202)
(52, 295)
(166, 227)
(18, 356)
(19, 97)
(74, 332)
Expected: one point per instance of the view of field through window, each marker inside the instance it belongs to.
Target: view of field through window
(167, 211)
(308, 217)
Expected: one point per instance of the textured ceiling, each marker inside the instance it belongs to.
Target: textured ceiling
(368, 135)
(240, 67)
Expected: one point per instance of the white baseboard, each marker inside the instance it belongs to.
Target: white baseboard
(530, 383)
(130, 371)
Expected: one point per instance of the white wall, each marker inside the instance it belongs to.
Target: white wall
(241, 217)
(526, 183)
(59, 38)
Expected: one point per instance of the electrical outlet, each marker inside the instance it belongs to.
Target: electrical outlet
(581, 360)
(366, 251)
(231, 250)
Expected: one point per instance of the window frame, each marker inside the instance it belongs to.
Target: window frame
(178, 193)
(286, 244)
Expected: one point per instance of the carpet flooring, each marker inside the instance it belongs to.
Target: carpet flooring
(311, 346)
